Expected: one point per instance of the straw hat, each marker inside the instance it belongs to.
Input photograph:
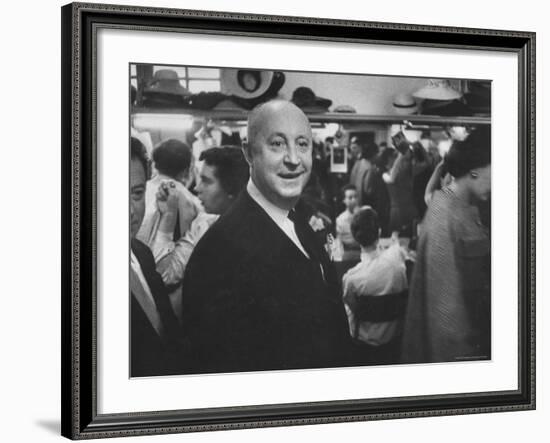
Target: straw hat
(437, 90)
(404, 104)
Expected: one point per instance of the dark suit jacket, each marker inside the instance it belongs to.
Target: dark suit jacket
(252, 301)
(151, 354)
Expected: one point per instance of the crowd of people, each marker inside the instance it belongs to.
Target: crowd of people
(254, 266)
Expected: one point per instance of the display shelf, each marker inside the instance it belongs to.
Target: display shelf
(328, 117)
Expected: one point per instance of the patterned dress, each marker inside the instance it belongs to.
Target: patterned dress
(448, 314)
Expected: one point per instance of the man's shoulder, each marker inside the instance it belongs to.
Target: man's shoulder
(232, 230)
(393, 257)
(353, 273)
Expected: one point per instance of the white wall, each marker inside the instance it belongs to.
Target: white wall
(30, 223)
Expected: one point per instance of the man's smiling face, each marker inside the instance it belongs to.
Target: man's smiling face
(280, 152)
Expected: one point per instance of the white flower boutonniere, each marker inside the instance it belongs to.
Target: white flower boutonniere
(316, 223)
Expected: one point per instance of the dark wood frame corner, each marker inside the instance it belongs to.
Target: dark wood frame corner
(80, 419)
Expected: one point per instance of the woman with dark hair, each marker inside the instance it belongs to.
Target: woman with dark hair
(448, 314)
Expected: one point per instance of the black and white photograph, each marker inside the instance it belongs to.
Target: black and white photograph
(291, 220)
(279, 220)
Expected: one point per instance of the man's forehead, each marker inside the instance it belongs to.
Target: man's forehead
(284, 120)
(208, 170)
(283, 117)
(137, 172)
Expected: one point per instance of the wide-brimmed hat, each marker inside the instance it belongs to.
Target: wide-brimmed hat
(345, 109)
(246, 83)
(404, 104)
(166, 81)
(437, 89)
(306, 99)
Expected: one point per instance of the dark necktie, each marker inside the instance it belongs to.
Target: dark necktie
(167, 316)
(157, 289)
(177, 229)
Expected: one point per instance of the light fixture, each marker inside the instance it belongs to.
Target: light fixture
(437, 89)
(181, 122)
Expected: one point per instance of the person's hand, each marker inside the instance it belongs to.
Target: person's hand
(167, 198)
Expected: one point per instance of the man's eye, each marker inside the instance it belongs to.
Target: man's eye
(278, 142)
(304, 144)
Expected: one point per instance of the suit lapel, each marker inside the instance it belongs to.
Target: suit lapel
(266, 240)
(264, 231)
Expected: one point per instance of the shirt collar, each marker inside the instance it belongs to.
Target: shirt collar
(368, 256)
(277, 214)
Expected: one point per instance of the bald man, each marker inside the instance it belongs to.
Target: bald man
(260, 292)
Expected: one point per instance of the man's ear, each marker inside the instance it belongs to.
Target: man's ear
(247, 151)
(183, 175)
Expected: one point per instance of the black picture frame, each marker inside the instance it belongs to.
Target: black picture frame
(79, 211)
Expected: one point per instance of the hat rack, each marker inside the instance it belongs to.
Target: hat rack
(236, 115)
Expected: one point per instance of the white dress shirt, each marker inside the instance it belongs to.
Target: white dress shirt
(278, 215)
(141, 291)
(380, 272)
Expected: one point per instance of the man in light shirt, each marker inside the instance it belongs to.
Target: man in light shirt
(223, 175)
(381, 274)
(259, 291)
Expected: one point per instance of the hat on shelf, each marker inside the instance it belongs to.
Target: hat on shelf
(440, 98)
(166, 81)
(404, 104)
(345, 109)
(437, 89)
(165, 90)
(305, 98)
(245, 83)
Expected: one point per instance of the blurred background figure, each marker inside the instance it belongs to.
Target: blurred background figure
(223, 175)
(384, 162)
(172, 159)
(366, 176)
(399, 180)
(169, 210)
(351, 249)
(154, 330)
(448, 314)
(375, 292)
(364, 152)
(422, 166)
